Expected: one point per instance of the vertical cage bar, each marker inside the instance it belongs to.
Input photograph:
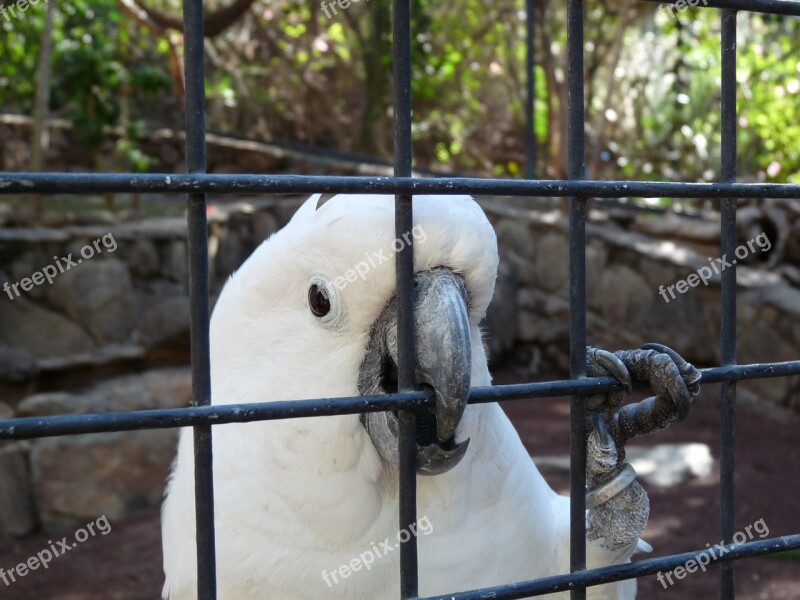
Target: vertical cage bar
(530, 93)
(403, 222)
(577, 291)
(198, 293)
(728, 309)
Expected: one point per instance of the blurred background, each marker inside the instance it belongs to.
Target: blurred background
(283, 73)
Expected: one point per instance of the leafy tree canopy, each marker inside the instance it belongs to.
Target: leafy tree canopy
(287, 70)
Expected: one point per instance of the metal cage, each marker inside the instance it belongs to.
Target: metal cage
(202, 416)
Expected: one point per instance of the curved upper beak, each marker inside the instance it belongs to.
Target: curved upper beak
(444, 351)
(443, 362)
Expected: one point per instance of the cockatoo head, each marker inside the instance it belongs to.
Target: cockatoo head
(312, 313)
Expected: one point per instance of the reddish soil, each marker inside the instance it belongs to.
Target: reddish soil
(126, 563)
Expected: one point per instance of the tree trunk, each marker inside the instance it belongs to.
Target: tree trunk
(376, 44)
(39, 136)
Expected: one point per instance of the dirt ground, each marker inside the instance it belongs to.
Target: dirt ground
(126, 563)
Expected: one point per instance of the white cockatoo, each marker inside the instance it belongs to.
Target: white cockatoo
(307, 508)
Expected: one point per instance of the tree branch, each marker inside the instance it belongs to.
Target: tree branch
(213, 23)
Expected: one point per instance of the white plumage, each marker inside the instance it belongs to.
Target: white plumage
(298, 497)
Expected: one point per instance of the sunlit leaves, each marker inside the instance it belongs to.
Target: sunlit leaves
(302, 76)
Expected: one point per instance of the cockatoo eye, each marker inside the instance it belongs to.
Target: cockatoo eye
(325, 302)
(318, 300)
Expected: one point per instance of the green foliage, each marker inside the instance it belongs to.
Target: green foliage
(286, 71)
(673, 99)
(769, 96)
(19, 50)
(96, 61)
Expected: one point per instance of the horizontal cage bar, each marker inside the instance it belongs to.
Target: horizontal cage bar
(772, 7)
(560, 583)
(83, 183)
(35, 427)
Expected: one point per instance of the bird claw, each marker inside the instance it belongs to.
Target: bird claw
(609, 363)
(601, 363)
(601, 451)
(675, 382)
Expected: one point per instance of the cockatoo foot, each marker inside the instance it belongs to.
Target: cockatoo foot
(618, 505)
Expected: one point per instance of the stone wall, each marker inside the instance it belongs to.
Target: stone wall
(121, 319)
(625, 271)
(128, 303)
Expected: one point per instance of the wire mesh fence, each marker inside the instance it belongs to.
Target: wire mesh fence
(196, 184)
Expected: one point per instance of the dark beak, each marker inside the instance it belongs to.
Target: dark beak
(443, 359)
